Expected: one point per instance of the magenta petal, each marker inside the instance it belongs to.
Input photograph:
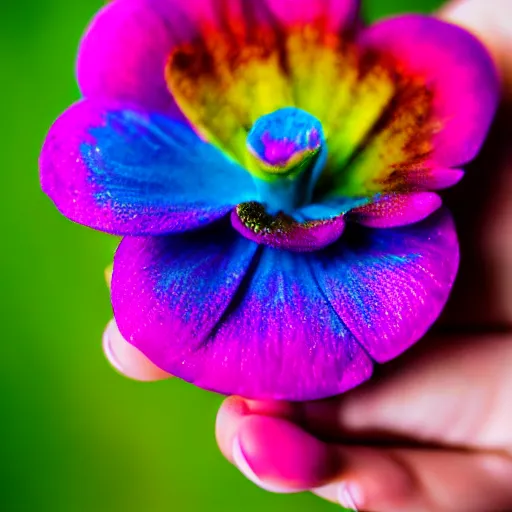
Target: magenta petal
(397, 210)
(436, 179)
(283, 232)
(459, 71)
(336, 15)
(389, 286)
(279, 338)
(169, 293)
(123, 55)
(125, 49)
(124, 52)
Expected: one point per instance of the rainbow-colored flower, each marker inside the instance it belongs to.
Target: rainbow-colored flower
(272, 165)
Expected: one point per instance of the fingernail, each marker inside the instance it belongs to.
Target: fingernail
(349, 496)
(243, 465)
(107, 348)
(108, 275)
(127, 359)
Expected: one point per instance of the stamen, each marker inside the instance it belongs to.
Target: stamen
(287, 154)
(282, 142)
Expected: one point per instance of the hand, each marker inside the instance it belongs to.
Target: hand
(433, 430)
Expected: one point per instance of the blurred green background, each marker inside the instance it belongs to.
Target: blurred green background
(76, 436)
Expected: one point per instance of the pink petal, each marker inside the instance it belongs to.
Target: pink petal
(458, 70)
(397, 210)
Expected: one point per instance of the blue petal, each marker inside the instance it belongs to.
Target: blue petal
(330, 207)
(389, 286)
(126, 171)
(233, 317)
(282, 340)
(170, 292)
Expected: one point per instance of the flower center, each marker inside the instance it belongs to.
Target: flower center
(287, 153)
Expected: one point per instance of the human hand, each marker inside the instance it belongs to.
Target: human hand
(431, 431)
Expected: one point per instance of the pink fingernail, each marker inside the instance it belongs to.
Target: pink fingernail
(107, 349)
(349, 496)
(245, 468)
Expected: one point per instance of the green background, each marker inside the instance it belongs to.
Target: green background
(76, 436)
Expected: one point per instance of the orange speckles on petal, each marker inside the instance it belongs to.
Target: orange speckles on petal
(397, 147)
(229, 79)
(376, 119)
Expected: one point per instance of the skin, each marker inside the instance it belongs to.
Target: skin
(432, 431)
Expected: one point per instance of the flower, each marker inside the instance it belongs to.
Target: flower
(272, 166)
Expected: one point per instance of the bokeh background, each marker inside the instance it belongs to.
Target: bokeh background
(75, 435)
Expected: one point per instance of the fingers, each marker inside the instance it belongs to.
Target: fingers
(279, 456)
(460, 394)
(126, 359)
(490, 21)
(123, 356)
(399, 480)
(235, 409)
